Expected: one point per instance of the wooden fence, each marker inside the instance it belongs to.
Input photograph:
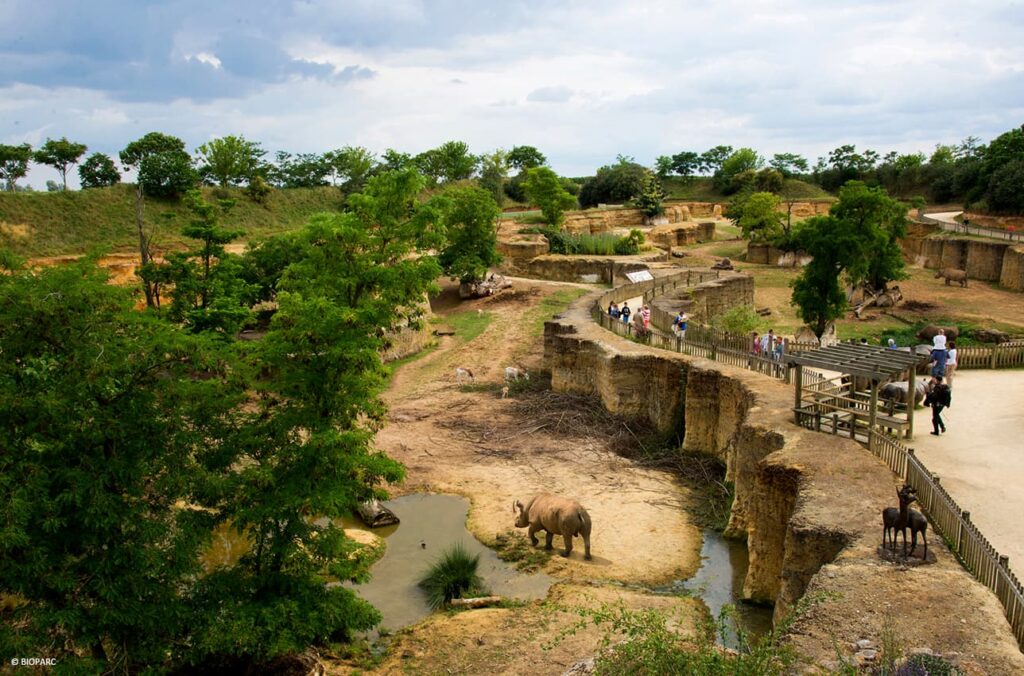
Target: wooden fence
(1006, 355)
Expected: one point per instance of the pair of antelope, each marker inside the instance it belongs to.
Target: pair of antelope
(899, 520)
(512, 374)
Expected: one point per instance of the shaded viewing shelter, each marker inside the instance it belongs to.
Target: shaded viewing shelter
(851, 399)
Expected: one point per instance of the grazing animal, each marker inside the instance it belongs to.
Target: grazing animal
(462, 374)
(895, 520)
(504, 392)
(917, 524)
(557, 516)
(953, 275)
(513, 373)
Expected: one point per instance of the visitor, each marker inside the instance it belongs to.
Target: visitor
(768, 343)
(939, 341)
(950, 363)
(864, 342)
(939, 398)
(892, 344)
(779, 348)
(645, 316)
(939, 358)
(755, 346)
(625, 312)
(611, 307)
(613, 311)
(681, 325)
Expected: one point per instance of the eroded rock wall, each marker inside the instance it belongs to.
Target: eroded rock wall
(1012, 274)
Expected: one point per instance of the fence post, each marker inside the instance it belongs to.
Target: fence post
(965, 518)
(1000, 590)
(992, 361)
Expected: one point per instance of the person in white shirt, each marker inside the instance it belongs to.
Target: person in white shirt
(939, 341)
(951, 363)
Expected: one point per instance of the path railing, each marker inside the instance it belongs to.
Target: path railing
(980, 231)
(1004, 355)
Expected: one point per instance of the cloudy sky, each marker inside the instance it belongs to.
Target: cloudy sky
(582, 81)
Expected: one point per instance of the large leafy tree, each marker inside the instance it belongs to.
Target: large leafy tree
(162, 163)
(229, 160)
(613, 184)
(493, 172)
(544, 189)
(306, 446)
(711, 160)
(108, 474)
(651, 196)
(759, 217)
(859, 238)
(470, 217)
(743, 161)
(14, 164)
(450, 161)
(350, 165)
(98, 171)
(788, 164)
(302, 170)
(60, 154)
(522, 158)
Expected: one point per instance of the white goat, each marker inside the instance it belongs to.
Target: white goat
(463, 374)
(513, 373)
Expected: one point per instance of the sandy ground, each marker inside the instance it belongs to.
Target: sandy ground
(980, 459)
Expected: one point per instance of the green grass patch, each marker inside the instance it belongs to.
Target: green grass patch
(452, 576)
(76, 222)
(549, 306)
(480, 387)
(701, 189)
(515, 548)
(732, 250)
(468, 324)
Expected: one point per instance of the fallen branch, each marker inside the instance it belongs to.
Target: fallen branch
(479, 602)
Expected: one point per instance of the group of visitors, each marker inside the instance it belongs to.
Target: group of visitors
(625, 313)
(679, 324)
(943, 357)
(768, 346)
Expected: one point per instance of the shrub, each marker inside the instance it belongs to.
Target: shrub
(451, 576)
(258, 189)
(544, 188)
(739, 320)
(630, 244)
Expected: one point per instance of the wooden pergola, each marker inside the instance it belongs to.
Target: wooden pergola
(876, 365)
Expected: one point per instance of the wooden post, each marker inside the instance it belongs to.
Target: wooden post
(872, 412)
(965, 518)
(911, 401)
(799, 384)
(992, 360)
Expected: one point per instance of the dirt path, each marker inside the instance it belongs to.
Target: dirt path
(470, 441)
(979, 458)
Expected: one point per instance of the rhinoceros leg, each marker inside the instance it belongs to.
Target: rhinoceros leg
(568, 544)
(551, 536)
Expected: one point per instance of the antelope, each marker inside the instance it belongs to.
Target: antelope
(462, 374)
(895, 520)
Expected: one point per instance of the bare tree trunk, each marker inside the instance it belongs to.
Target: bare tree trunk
(144, 253)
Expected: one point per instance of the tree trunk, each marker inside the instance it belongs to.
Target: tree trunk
(479, 602)
(144, 254)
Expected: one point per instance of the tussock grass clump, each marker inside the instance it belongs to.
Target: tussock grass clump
(452, 576)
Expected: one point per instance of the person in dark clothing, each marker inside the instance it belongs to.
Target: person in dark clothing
(939, 398)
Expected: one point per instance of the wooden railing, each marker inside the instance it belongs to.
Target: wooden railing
(1006, 355)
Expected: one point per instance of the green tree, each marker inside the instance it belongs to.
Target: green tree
(711, 160)
(613, 184)
(876, 223)
(110, 422)
(14, 164)
(686, 163)
(522, 158)
(817, 295)
(788, 164)
(168, 175)
(168, 150)
(451, 161)
(60, 155)
(651, 196)
(230, 160)
(742, 161)
(493, 172)
(208, 291)
(470, 218)
(306, 445)
(352, 165)
(544, 190)
(392, 160)
(98, 171)
(663, 166)
(303, 170)
(759, 217)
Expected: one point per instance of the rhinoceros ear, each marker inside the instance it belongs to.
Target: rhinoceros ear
(517, 506)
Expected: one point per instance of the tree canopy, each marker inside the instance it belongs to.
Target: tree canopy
(98, 171)
(60, 154)
(229, 160)
(613, 184)
(544, 189)
(470, 218)
(14, 164)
